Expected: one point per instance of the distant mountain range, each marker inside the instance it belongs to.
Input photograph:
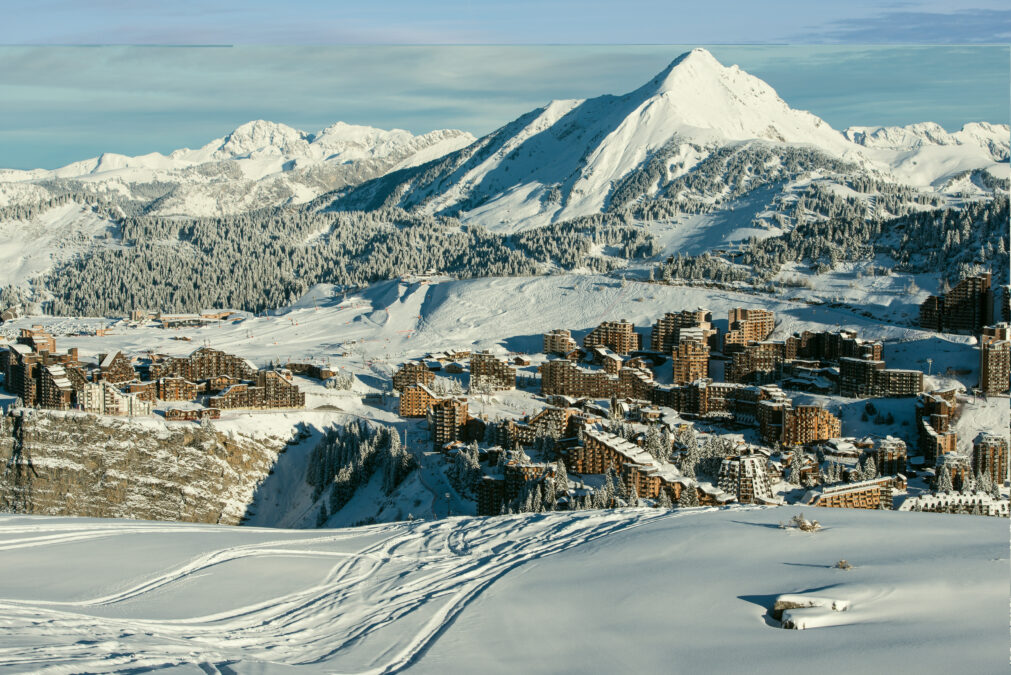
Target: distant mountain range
(258, 165)
(703, 157)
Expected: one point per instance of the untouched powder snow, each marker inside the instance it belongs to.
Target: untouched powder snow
(632, 590)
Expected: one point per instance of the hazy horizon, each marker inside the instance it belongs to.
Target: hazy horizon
(65, 104)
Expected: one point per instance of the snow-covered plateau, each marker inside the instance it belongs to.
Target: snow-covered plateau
(629, 590)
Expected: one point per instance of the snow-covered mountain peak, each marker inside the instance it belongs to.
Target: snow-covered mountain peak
(698, 63)
(696, 93)
(261, 135)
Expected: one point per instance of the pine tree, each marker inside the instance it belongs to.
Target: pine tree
(943, 481)
(654, 444)
(796, 463)
(969, 485)
(663, 500)
(689, 496)
(633, 497)
(870, 470)
(561, 480)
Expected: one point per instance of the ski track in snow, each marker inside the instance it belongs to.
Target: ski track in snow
(376, 611)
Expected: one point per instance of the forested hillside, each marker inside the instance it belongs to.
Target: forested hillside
(269, 258)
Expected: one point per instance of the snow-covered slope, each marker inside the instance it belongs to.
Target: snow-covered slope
(571, 157)
(634, 590)
(259, 164)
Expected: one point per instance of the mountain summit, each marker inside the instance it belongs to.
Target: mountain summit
(693, 137)
(696, 93)
(566, 159)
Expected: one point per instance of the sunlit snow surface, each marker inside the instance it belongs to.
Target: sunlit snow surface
(638, 590)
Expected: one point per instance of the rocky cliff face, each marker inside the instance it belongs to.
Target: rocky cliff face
(69, 463)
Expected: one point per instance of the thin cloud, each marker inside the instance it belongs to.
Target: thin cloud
(968, 26)
(65, 104)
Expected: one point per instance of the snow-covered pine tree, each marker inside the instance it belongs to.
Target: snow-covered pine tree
(943, 481)
(689, 496)
(796, 463)
(654, 444)
(870, 471)
(663, 500)
(536, 503)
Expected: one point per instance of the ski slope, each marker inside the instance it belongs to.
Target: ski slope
(633, 590)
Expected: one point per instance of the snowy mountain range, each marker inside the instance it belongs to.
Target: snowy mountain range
(572, 158)
(703, 157)
(257, 165)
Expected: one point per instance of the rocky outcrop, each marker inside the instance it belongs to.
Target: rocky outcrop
(79, 464)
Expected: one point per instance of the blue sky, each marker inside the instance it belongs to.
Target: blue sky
(502, 21)
(59, 104)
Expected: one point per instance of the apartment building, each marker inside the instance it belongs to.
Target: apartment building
(601, 450)
(37, 339)
(191, 414)
(559, 341)
(105, 398)
(966, 308)
(745, 477)
(491, 371)
(805, 424)
(202, 364)
(956, 465)
(447, 420)
(507, 484)
(935, 411)
(562, 376)
(55, 389)
(989, 455)
(312, 370)
(552, 422)
(977, 503)
(830, 346)
(175, 389)
(412, 372)
(890, 455)
(690, 361)
(415, 399)
(269, 390)
(619, 336)
(861, 378)
(757, 363)
(115, 368)
(24, 368)
(666, 332)
(995, 359)
(747, 325)
(869, 494)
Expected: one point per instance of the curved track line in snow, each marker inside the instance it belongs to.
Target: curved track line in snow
(377, 609)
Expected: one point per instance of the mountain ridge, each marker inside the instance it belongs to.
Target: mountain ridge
(565, 159)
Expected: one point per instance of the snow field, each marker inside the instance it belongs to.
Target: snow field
(631, 590)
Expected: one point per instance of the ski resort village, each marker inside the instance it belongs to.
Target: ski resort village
(630, 384)
(683, 410)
